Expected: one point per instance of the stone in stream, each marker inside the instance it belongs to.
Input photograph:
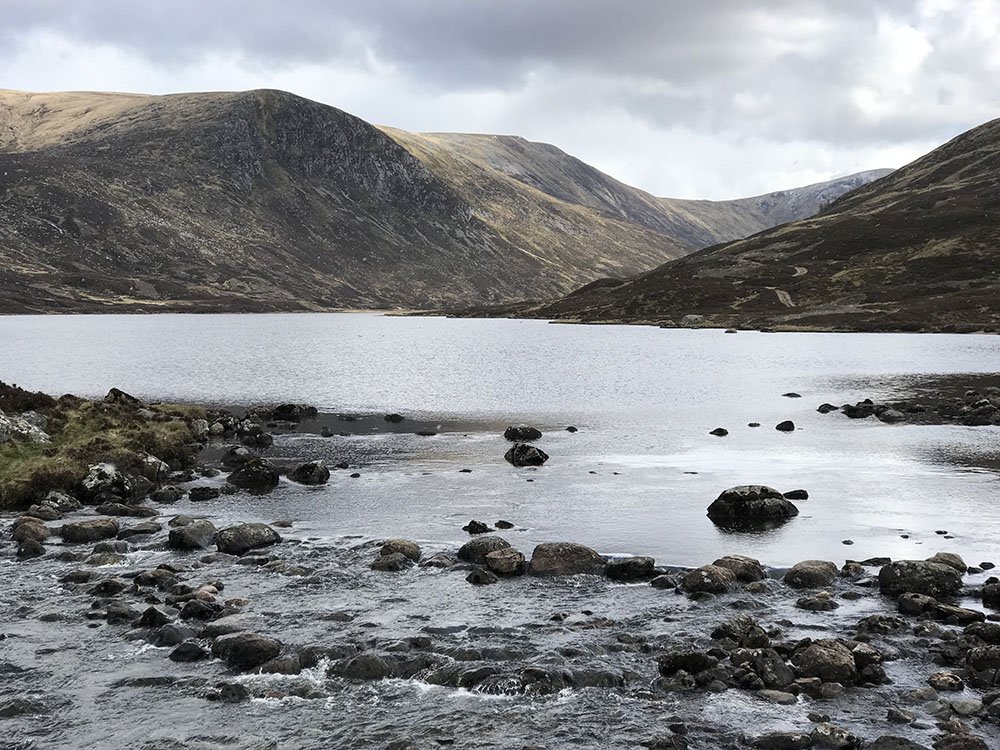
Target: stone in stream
(951, 559)
(991, 595)
(522, 434)
(240, 539)
(236, 457)
(920, 577)
(403, 546)
(202, 493)
(28, 549)
(84, 532)
(188, 651)
(476, 527)
(711, 579)
(750, 507)
(131, 511)
(393, 562)
(811, 574)
(256, 476)
(482, 577)
(796, 495)
(313, 473)
(746, 569)
(827, 408)
(29, 527)
(565, 558)
(522, 454)
(507, 562)
(197, 534)
(829, 660)
(167, 495)
(630, 569)
(394, 418)
(719, 432)
(786, 426)
(245, 651)
(475, 550)
(104, 481)
(890, 416)
(892, 742)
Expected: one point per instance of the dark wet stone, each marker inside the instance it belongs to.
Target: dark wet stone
(245, 651)
(750, 507)
(244, 537)
(835, 738)
(475, 550)
(664, 582)
(746, 569)
(364, 667)
(196, 609)
(84, 532)
(140, 529)
(109, 587)
(313, 473)
(257, 475)
(891, 742)
(571, 428)
(831, 661)
(504, 525)
(564, 558)
(630, 569)
(783, 741)
(404, 546)
(796, 495)
(394, 418)
(29, 549)
(921, 577)
(167, 495)
(476, 527)
(198, 534)
(826, 408)
(786, 426)
(482, 577)
(523, 454)
(188, 651)
(392, 562)
(172, 634)
(822, 602)
(522, 434)
(719, 432)
(203, 493)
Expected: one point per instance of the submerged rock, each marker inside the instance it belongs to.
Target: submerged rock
(245, 651)
(751, 507)
(391, 562)
(403, 546)
(564, 558)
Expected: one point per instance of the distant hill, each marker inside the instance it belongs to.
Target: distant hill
(916, 250)
(263, 200)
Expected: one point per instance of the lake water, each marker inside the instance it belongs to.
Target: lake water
(638, 475)
(636, 478)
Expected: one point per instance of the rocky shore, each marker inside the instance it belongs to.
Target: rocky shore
(875, 653)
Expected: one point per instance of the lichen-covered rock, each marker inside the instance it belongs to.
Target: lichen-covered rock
(564, 559)
(103, 481)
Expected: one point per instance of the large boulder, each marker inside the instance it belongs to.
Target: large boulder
(811, 574)
(85, 532)
(29, 527)
(919, 577)
(828, 660)
(312, 473)
(564, 559)
(103, 482)
(475, 550)
(522, 454)
(245, 651)
(522, 434)
(751, 506)
(257, 475)
(198, 534)
(21, 430)
(240, 539)
(950, 559)
(711, 579)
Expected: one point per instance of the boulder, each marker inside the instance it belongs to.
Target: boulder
(476, 527)
(236, 457)
(167, 495)
(85, 532)
(403, 546)
(991, 595)
(391, 562)
(482, 577)
(719, 432)
(258, 476)
(627, 569)
(198, 534)
(950, 559)
(312, 473)
(475, 550)
(523, 454)
(153, 469)
(104, 481)
(29, 528)
(522, 434)
(506, 562)
(188, 651)
(21, 430)
(786, 426)
(712, 579)
(240, 539)
(828, 660)
(563, 559)
(920, 577)
(750, 507)
(245, 651)
(29, 548)
(746, 569)
(811, 574)
(890, 416)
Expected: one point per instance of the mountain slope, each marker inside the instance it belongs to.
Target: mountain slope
(917, 250)
(262, 200)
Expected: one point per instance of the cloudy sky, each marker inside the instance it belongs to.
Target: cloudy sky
(716, 99)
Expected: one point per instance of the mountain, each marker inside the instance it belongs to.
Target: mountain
(262, 200)
(916, 250)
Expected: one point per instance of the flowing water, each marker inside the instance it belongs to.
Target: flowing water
(635, 479)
